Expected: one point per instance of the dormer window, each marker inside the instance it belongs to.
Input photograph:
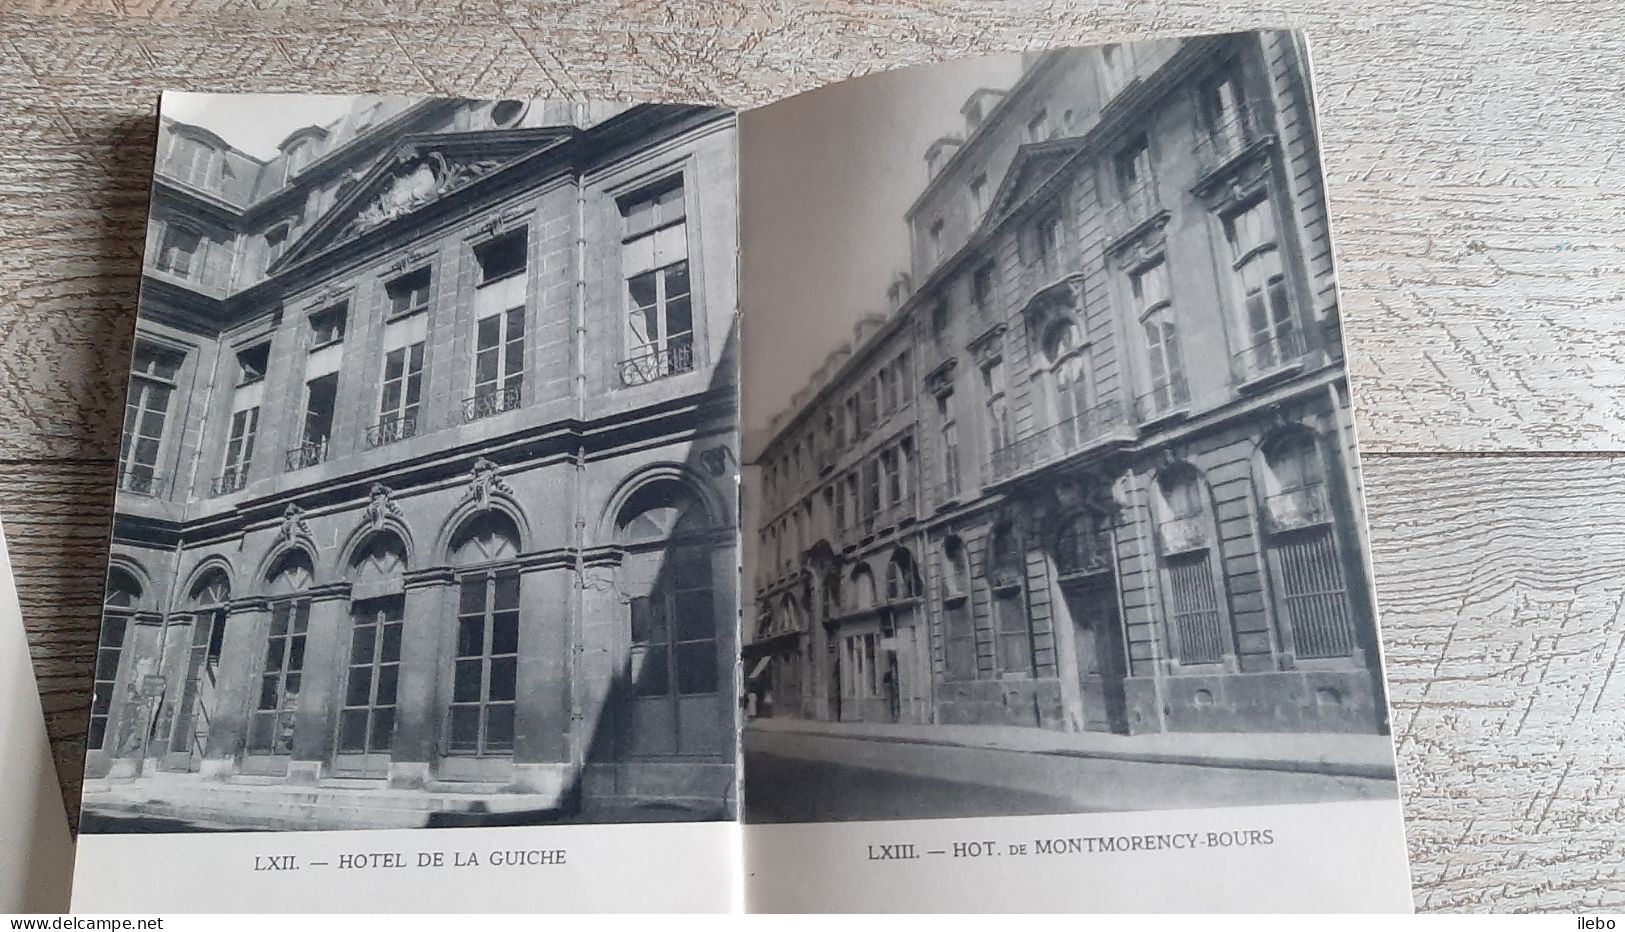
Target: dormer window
(178, 252)
(936, 240)
(298, 157)
(327, 325)
(194, 162)
(506, 113)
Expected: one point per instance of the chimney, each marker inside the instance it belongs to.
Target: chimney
(939, 152)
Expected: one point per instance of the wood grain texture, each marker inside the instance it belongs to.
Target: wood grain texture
(1478, 201)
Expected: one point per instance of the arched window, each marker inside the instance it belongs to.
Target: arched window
(122, 594)
(1305, 558)
(207, 600)
(485, 661)
(1083, 545)
(1182, 529)
(674, 623)
(272, 723)
(831, 591)
(367, 714)
(1069, 373)
(902, 582)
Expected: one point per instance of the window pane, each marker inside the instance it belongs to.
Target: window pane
(106, 664)
(466, 681)
(392, 644)
(472, 596)
(386, 686)
(697, 668)
(361, 644)
(505, 633)
(360, 690)
(268, 697)
(498, 728)
(383, 730)
(470, 636)
(649, 669)
(695, 618)
(353, 730)
(679, 316)
(503, 673)
(465, 728)
(506, 596)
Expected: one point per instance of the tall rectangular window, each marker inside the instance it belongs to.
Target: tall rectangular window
(1044, 249)
(106, 678)
(984, 289)
(367, 720)
(271, 727)
(998, 412)
(893, 477)
(1153, 300)
(316, 431)
(499, 364)
(949, 433)
(1260, 285)
(1225, 122)
(153, 376)
(1132, 167)
(401, 393)
(485, 667)
(869, 405)
(245, 426)
(978, 195)
(654, 261)
(871, 487)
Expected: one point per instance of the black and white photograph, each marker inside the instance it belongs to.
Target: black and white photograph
(427, 489)
(1053, 497)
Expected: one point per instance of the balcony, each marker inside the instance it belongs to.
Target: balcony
(1171, 398)
(1099, 426)
(1235, 133)
(391, 429)
(649, 367)
(139, 480)
(1181, 535)
(1138, 207)
(232, 480)
(307, 454)
(491, 401)
(1296, 509)
(1279, 353)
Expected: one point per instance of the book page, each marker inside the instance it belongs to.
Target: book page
(423, 584)
(1059, 589)
(37, 871)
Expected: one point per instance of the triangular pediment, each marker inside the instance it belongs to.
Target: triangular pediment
(421, 170)
(1033, 165)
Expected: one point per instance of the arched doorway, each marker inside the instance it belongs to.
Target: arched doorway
(478, 732)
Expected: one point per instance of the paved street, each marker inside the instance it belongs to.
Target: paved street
(782, 789)
(791, 777)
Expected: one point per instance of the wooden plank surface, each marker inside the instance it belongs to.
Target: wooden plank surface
(1477, 199)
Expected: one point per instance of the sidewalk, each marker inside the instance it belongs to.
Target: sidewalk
(1365, 756)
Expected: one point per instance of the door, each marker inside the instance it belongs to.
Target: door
(1098, 640)
(191, 732)
(367, 720)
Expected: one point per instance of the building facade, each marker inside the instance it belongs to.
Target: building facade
(428, 468)
(1117, 490)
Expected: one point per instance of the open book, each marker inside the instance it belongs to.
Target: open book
(450, 572)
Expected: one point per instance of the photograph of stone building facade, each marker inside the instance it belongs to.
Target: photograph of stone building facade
(426, 501)
(1077, 524)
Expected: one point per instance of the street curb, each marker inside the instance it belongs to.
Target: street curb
(1331, 769)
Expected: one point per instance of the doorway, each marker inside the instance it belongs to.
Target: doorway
(1098, 642)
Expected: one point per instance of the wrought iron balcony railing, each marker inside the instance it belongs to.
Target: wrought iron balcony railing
(1181, 535)
(946, 493)
(138, 480)
(1163, 399)
(232, 480)
(492, 401)
(307, 454)
(1099, 425)
(1272, 354)
(1138, 205)
(1295, 509)
(391, 429)
(674, 359)
(1231, 135)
